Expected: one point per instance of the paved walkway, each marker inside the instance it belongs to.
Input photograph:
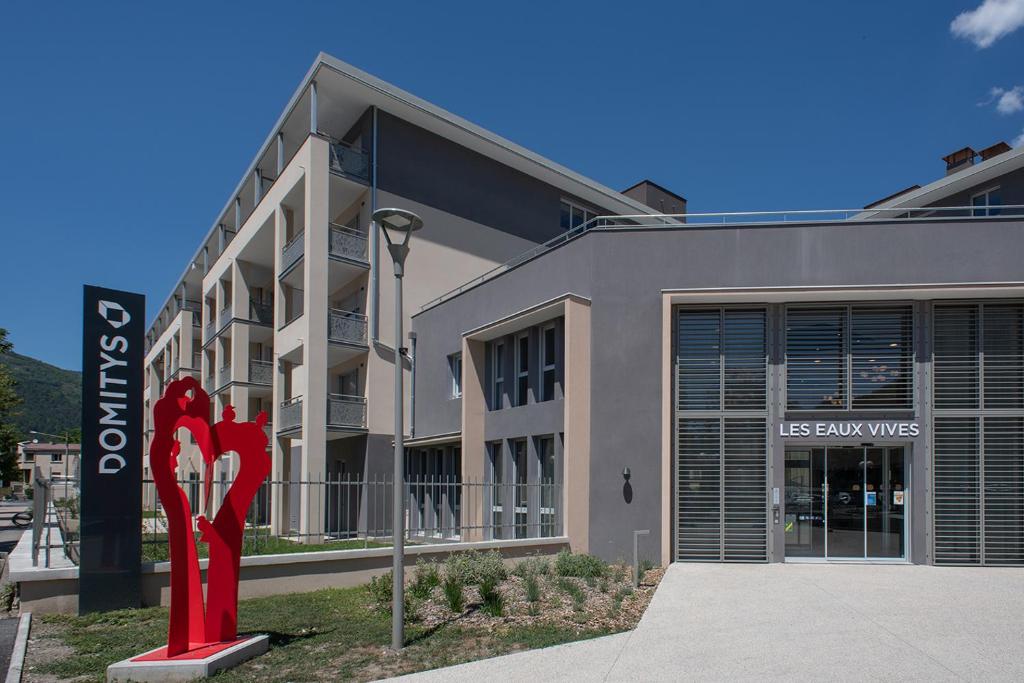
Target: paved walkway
(798, 622)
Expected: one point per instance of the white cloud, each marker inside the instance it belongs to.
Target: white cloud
(989, 22)
(1007, 101)
(1018, 141)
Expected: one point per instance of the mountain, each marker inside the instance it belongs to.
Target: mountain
(51, 396)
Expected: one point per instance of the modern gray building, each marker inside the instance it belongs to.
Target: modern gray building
(750, 388)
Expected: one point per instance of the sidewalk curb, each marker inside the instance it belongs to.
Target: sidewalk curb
(20, 646)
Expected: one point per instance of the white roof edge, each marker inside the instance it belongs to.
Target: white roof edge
(404, 98)
(952, 183)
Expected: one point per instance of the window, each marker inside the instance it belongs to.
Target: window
(548, 337)
(987, 203)
(721, 359)
(497, 466)
(521, 490)
(30, 457)
(522, 369)
(348, 384)
(498, 374)
(548, 492)
(455, 374)
(573, 216)
(57, 457)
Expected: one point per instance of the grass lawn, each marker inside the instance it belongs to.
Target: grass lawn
(154, 546)
(326, 635)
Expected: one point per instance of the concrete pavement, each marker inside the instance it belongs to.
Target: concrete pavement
(798, 622)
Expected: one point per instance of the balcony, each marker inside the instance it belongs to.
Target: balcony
(224, 376)
(346, 327)
(261, 372)
(207, 385)
(192, 305)
(347, 243)
(209, 330)
(350, 162)
(291, 413)
(225, 316)
(260, 312)
(346, 411)
(292, 252)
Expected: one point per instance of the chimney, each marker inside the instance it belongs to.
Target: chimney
(657, 197)
(959, 160)
(994, 150)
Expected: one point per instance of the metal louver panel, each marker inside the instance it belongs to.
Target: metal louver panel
(698, 359)
(745, 490)
(816, 358)
(699, 488)
(979, 433)
(1004, 489)
(722, 490)
(957, 491)
(1004, 356)
(882, 357)
(745, 357)
(956, 363)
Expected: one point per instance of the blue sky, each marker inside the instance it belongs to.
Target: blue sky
(126, 125)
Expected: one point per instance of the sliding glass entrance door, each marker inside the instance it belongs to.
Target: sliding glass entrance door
(846, 503)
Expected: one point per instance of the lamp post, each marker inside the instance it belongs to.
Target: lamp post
(397, 225)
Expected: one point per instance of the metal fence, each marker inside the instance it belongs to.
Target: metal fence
(345, 508)
(55, 519)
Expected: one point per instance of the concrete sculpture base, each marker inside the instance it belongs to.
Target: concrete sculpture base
(203, 662)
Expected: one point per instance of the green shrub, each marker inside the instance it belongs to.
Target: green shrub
(532, 566)
(492, 602)
(532, 586)
(602, 585)
(380, 588)
(7, 595)
(425, 580)
(473, 568)
(580, 566)
(573, 590)
(452, 588)
(645, 566)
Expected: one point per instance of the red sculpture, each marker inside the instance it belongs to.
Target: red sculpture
(192, 629)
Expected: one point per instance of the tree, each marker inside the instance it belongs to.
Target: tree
(9, 401)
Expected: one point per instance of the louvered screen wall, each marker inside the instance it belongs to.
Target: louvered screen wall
(978, 433)
(721, 435)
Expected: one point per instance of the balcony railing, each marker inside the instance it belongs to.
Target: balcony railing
(207, 384)
(346, 242)
(197, 361)
(225, 315)
(261, 371)
(192, 305)
(224, 376)
(291, 413)
(260, 312)
(292, 252)
(350, 161)
(346, 326)
(209, 330)
(346, 411)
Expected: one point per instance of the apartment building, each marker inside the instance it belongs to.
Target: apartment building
(838, 386)
(285, 305)
(53, 460)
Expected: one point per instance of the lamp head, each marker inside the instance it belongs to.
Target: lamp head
(397, 224)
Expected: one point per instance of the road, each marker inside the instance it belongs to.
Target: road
(10, 534)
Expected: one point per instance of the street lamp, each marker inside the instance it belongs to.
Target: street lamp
(397, 225)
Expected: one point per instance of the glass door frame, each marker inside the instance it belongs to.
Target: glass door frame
(908, 501)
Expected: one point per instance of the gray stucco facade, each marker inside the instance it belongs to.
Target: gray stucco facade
(629, 277)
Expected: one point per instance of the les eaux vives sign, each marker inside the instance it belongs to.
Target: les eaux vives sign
(884, 430)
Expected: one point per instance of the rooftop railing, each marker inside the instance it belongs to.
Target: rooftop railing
(744, 218)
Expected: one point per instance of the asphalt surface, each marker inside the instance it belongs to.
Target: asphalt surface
(834, 622)
(10, 534)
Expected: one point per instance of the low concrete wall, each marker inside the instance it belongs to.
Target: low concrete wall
(48, 591)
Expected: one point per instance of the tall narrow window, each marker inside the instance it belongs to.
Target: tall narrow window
(497, 471)
(498, 374)
(987, 203)
(548, 358)
(548, 495)
(521, 490)
(455, 374)
(522, 369)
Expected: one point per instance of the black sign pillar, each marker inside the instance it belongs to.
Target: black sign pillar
(111, 465)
